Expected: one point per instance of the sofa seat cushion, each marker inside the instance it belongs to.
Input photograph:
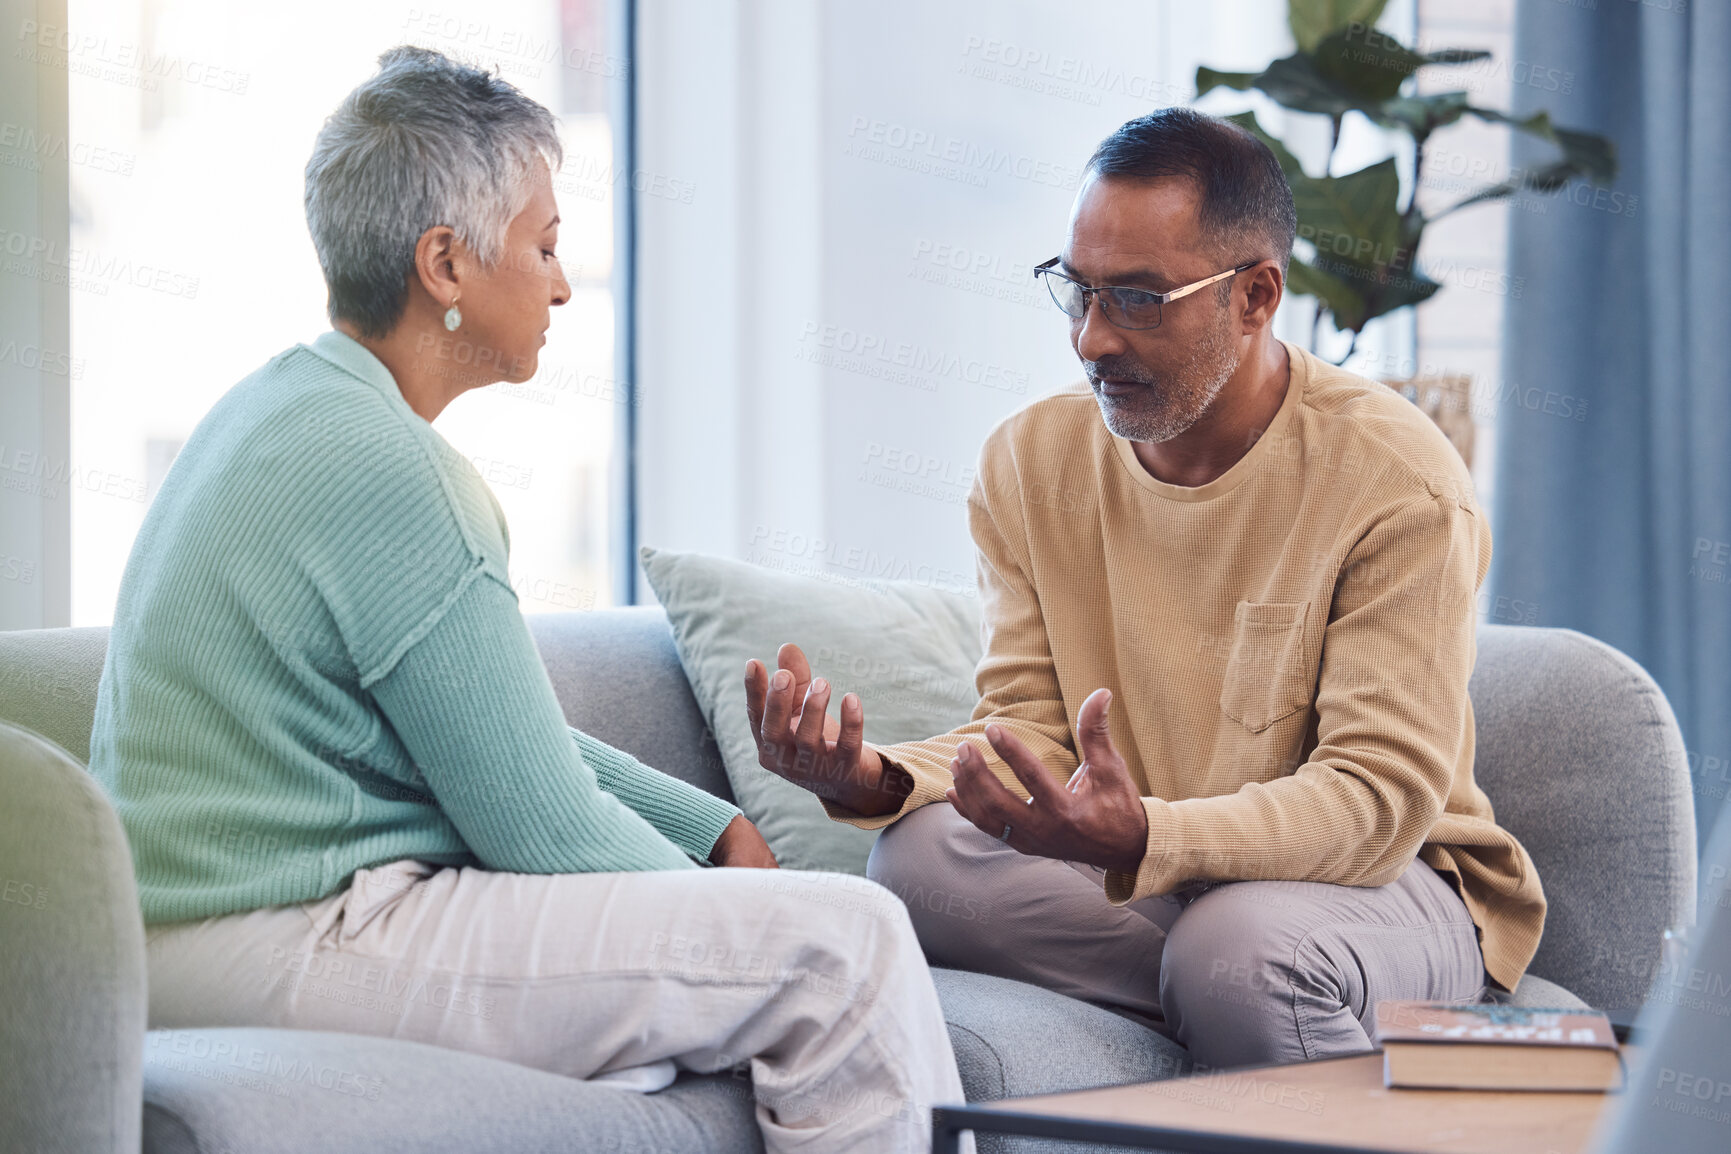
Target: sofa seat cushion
(1535, 993)
(1013, 1039)
(270, 1091)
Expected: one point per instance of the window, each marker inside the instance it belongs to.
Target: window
(190, 264)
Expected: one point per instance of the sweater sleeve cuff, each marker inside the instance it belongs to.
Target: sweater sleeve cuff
(1160, 862)
(685, 815)
(929, 787)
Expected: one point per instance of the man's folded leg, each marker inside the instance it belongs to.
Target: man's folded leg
(1241, 973)
(1274, 972)
(979, 905)
(816, 979)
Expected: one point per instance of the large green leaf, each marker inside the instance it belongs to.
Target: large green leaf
(1347, 73)
(1294, 82)
(1455, 56)
(1366, 68)
(1355, 293)
(1311, 20)
(1391, 289)
(1356, 216)
(1363, 258)
(1208, 79)
(1331, 293)
(1423, 115)
(1542, 180)
(1594, 155)
(1591, 155)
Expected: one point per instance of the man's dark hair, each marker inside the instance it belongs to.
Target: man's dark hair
(1246, 202)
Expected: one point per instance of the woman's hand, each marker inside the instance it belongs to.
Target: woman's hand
(742, 846)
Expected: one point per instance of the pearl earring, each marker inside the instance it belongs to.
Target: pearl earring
(453, 318)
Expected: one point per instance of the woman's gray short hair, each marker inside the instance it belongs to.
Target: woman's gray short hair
(425, 142)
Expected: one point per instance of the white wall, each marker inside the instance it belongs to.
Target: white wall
(844, 306)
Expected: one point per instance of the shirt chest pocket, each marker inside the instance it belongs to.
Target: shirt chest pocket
(1267, 674)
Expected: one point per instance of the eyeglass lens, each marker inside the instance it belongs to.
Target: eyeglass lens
(1142, 311)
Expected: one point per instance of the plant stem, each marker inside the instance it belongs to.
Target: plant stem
(1417, 178)
(1327, 170)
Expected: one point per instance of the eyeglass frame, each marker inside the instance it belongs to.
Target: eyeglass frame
(1161, 299)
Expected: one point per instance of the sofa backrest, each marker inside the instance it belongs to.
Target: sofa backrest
(1583, 760)
(72, 955)
(1577, 748)
(615, 671)
(618, 676)
(48, 683)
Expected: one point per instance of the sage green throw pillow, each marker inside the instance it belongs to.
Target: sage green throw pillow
(909, 651)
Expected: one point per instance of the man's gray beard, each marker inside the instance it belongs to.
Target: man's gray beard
(1176, 399)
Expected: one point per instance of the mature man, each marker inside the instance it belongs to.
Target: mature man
(1225, 780)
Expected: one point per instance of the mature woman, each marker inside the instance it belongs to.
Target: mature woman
(352, 798)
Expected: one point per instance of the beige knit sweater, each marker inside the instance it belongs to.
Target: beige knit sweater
(1287, 646)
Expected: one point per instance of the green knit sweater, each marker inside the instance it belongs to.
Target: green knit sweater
(318, 665)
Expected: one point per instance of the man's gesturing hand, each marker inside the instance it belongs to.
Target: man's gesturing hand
(798, 739)
(1097, 818)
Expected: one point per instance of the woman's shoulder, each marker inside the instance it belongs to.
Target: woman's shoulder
(297, 399)
(332, 454)
(300, 415)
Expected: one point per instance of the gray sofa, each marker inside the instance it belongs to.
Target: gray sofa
(1577, 748)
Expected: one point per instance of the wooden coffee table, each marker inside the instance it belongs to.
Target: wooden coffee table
(1334, 1104)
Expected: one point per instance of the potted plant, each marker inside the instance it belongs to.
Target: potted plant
(1363, 259)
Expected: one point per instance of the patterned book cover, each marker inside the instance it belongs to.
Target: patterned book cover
(1405, 1021)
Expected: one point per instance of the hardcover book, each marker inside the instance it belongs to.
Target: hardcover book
(1438, 1045)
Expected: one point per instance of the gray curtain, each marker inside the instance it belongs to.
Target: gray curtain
(1616, 520)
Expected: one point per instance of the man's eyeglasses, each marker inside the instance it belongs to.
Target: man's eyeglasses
(1127, 308)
